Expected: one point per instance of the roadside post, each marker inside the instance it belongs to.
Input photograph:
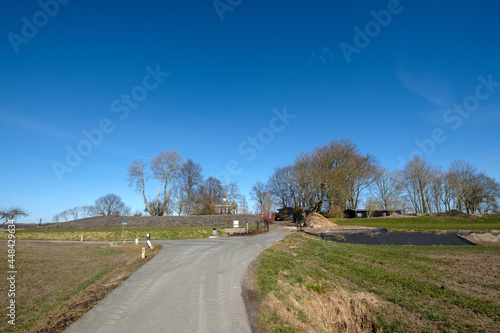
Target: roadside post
(149, 241)
(124, 223)
(247, 225)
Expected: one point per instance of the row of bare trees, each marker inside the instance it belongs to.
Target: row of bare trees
(179, 186)
(337, 176)
(107, 205)
(330, 178)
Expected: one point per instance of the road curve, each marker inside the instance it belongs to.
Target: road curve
(190, 286)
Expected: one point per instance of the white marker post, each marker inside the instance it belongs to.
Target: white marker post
(136, 241)
(143, 252)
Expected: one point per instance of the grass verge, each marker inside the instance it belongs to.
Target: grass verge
(56, 283)
(309, 285)
(426, 223)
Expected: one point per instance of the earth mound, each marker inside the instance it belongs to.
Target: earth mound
(317, 220)
(459, 214)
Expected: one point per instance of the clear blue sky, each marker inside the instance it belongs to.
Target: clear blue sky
(385, 74)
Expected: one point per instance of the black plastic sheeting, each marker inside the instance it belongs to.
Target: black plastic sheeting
(383, 237)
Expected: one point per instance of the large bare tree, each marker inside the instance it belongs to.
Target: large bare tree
(471, 188)
(278, 185)
(386, 191)
(110, 204)
(416, 178)
(165, 168)
(264, 201)
(332, 177)
(210, 193)
(189, 182)
(136, 175)
(8, 214)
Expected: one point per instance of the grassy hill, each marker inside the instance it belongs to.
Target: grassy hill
(427, 223)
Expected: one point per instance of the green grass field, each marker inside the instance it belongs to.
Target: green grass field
(306, 283)
(426, 223)
(114, 234)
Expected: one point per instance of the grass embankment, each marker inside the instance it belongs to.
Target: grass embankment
(57, 283)
(426, 223)
(114, 234)
(309, 285)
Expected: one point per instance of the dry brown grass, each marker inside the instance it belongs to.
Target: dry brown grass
(311, 311)
(58, 282)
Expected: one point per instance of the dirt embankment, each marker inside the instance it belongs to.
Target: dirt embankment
(154, 221)
(456, 213)
(317, 220)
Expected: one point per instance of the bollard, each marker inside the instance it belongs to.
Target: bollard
(136, 241)
(81, 238)
(143, 252)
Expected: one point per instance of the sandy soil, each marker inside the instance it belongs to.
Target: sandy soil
(487, 238)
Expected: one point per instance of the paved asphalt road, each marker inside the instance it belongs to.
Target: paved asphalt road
(190, 286)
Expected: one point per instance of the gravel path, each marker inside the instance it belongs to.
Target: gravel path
(190, 286)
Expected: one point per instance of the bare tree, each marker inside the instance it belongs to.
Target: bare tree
(279, 186)
(166, 168)
(232, 193)
(136, 175)
(210, 193)
(64, 215)
(87, 211)
(416, 178)
(74, 212)
(386, 191)
(258, 194)
(109, 204)
(333, 177)
(7, 214)
(56, 218)
(447, 191)
(264, 201)
(243, 205)
(190, 180)
(472, 189)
